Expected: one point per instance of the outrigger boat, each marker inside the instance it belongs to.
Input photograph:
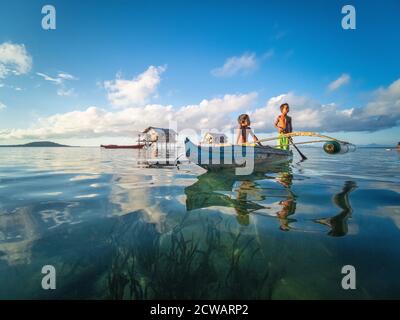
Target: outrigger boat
(226, 156)
(141, 144)
(114, 146)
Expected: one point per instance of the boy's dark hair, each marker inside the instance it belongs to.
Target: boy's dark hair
(284, 105)
(243, 117)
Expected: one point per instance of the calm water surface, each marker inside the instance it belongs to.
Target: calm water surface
(115, 228)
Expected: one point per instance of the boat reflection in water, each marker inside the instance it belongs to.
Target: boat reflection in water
(247, 196)
(242, 193)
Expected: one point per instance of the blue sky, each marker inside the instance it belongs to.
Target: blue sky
(234, 56)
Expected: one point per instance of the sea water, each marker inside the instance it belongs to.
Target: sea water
(114, 227)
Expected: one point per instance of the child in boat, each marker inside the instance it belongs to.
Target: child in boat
(284, 125)
(244, 130)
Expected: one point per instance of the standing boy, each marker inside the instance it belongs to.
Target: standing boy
(284, 125)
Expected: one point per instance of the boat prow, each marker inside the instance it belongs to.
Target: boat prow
(217, 157)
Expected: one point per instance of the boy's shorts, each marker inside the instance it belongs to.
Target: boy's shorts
(283, 142)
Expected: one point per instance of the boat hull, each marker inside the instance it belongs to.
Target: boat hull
(235, 156)
(112, 146)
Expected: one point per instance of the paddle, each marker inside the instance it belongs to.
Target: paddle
(257, 141)
(303, 157)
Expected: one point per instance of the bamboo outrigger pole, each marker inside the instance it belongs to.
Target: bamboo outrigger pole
(304, 134)
(314, 141)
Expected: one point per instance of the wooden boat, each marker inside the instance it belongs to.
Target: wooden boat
(114, 146)
(227, 156)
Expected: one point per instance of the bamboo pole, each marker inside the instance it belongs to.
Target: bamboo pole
(303, 134)
(315, 141)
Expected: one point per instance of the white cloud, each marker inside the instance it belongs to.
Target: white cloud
(237, 65)
(3, 71)
(339, 82)
(48, 78)
(2, 106)
(380, 113)
(60, 80)
(386, 102)
(136, 92)
(215, 113)
(2, 85)
(383, 111)
(66, 76)
(95, 122)
(14, 59)
(64, 92)
(307, 114)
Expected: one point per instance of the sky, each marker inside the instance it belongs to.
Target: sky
(112, 68)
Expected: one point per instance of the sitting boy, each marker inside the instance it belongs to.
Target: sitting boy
(244, 130)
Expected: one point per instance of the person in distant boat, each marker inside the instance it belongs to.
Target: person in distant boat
(284, 125)
(244, 130)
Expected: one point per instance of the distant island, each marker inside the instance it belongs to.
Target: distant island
(37, 144)
(375, 145)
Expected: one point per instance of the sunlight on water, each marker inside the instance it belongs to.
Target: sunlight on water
(115, 227)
